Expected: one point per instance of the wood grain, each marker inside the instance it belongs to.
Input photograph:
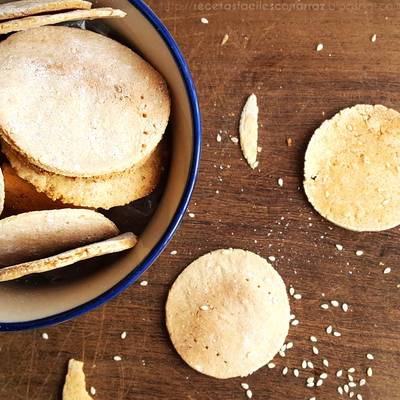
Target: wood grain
(271, 53)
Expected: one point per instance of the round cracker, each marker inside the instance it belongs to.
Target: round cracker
(77, 103)
(352, 172)
(101, 192)
(2, 191)
(21, 196)
(228, 313)
(114, 245)
(37, 234)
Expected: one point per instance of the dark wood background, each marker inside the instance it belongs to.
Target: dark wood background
(272, 53)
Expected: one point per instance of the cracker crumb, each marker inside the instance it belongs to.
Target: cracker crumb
(225, 39)
(144, 283)
(204, 20)
(320, 47)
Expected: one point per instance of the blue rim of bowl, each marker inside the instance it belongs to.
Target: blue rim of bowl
(179, 214)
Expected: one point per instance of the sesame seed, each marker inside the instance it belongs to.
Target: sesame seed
(329, 329)
(292, 316)
(324, 375)
(313, 398)
(310, 379)
(289, 346)
(313, 339)
(339, 247)
(325, 306)
(345, 307)
(335, 303)
(340, 390)
(320, 47)
(362, 382)
(339, 373)
(351, 394)
(144, 283)
(93, 391)
(204, 20)
(387, 270)
(369, 372)
(173, 252)
(310, 364)
(280, 182)
(225, 39)
(291, 291)
(285, 371)
(359, 396)
(271, 365)
(315, 350)
(235, 139)
(296, 372)
(352, 384)
(295, 322)
(325, 362)
(271, 258)
(297, 296)
(204, 307)
(346, 388)
(249, 393)
(45, 336)
(282, 353)
(337, 334)
(319, 382)
(351, 370)
(373, 38)
(310, 384)
(192, 215)
(123, 335)
(370, 356)
(219, 138)
(117, 358)
(245, 386)
(359, 253)
(304, 364)
(350, 378)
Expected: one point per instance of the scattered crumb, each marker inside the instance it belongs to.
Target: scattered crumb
(225, 39)
(45, 336)
(320, 47)
(144, 283)
(204, 20)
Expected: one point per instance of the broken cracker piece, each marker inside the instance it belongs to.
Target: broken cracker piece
(24, 24)
(249, 131)
(75, 383)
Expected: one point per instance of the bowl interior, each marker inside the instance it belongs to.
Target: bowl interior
(31, 299)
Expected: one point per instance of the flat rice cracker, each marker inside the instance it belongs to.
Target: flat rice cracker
(37, 234)
(25, 8)
(75, 382)
(228, 313)
(352, 170)
(21, 196)
(248, 130)
(37, 21)
(2, 191)
(102, 192)
(66, 117)
(114, 245)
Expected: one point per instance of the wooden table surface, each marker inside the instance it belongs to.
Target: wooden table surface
(271, 52)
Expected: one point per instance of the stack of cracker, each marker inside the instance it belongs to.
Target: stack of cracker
(82, 119)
